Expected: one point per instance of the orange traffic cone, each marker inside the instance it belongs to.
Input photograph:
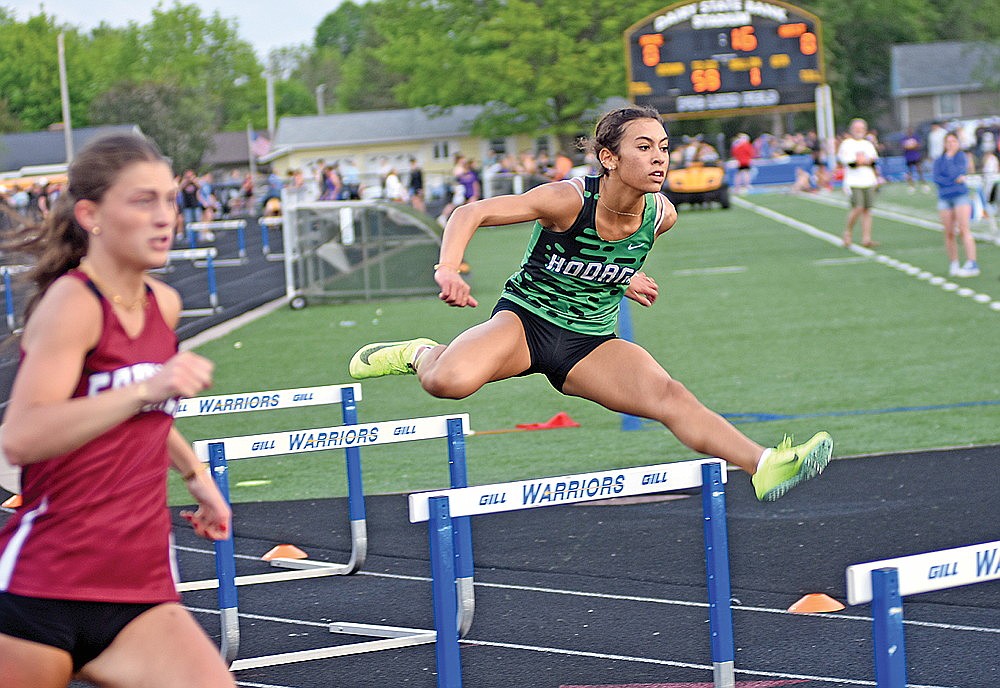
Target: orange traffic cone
(816, 602)
(560, 420)
(12, 502)
(285, 552)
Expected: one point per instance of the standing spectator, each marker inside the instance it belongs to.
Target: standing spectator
(393, 188)
(935, 141)
(913, 155)
(189, 202)
(350, 175)
(207, 198)
(416, 185)
(955, 207)
(991, 191)
(858, 155)
(332, 185)
(87, 589)
(743, 152)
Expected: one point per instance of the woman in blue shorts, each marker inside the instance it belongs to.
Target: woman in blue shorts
(557, 314)
(954, 207)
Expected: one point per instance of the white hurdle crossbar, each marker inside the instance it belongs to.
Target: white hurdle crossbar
(350, 437)
(221, 225)
(884, 583)
(441, 508)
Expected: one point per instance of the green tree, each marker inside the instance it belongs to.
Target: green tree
(170, 114)
(536, 65)
(348, 39)
(29, 70)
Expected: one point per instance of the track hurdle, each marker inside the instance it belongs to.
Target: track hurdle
(440, 509)
(350, 437)
(221, 225)
(265, 224)
(884, 584)
(202, 257)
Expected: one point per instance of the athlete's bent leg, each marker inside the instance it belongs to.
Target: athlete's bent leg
(163, 647)
(624, 377)
(491, 351)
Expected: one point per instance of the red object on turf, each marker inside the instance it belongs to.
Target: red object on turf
(560, 420)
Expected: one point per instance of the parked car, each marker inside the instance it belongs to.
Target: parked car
(697, 184)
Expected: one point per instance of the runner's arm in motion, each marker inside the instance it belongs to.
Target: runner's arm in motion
(211, 520)
(555, 205)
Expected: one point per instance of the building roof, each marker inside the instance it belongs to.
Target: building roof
(46, 148)
(377, 126)
(941, 67)
(228, 148)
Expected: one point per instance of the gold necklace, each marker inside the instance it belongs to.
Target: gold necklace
(116, 299)
(617, 212)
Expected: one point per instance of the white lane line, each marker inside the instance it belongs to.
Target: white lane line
(629, 598)
(888, 261)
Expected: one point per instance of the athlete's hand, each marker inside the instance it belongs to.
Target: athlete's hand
(642, 289)
(455, 291)
(212, 519)
(184, 375)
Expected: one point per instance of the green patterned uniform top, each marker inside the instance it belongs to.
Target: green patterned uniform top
(575, 278)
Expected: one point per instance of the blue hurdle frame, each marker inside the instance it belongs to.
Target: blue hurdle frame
(446, 563)
(886, 582)
(239, 225)
(392, 637)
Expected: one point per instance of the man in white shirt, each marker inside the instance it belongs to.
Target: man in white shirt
(858, 155)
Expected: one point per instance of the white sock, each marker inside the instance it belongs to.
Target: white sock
(763, 456)
(417, 354)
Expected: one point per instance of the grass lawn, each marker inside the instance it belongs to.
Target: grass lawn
(779, 330)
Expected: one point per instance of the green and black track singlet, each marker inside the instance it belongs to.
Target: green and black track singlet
(575, 278)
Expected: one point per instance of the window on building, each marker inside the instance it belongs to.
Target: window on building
(948, 105)
(542, 145)
(442, 151)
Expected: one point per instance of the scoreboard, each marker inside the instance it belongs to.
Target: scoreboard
(706, 58)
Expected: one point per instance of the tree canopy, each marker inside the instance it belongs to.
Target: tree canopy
(534, 65)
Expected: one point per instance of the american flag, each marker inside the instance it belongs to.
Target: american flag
(260, 145)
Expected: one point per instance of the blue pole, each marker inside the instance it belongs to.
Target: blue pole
(355, 485)
(225, 553)
(213, 296)
(887, 629)
(442, 552)
(720, 613)
(459, 478)
(629, 422)
(9, 299)
(241, 240)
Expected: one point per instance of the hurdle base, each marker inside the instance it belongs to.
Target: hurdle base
(377, 631)
(424, 638)
(315, 572)
(724, 674)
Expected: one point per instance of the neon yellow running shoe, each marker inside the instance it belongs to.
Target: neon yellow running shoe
(386, 358)
(787, 466)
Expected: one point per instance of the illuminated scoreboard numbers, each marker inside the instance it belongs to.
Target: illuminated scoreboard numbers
(714, 55)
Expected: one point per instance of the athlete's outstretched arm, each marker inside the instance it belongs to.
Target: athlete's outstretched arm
(555, 205)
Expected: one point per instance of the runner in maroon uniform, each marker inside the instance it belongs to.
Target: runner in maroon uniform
(86, 575)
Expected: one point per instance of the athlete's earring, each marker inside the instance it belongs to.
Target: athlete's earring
(96, 230)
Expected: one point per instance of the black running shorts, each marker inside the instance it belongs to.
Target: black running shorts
(554, 350)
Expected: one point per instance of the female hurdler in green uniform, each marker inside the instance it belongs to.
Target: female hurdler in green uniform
(558, 312)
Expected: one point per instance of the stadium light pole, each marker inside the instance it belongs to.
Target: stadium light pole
(320, 105)
(270, 104)
(64, 95)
